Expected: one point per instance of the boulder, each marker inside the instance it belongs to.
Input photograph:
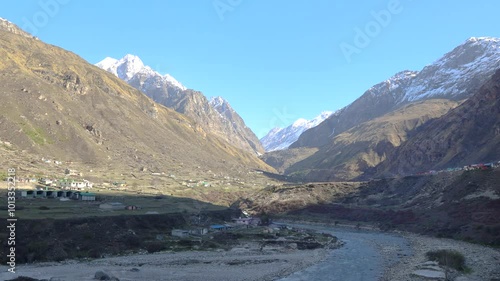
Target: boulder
(101, 275)
(430, 274)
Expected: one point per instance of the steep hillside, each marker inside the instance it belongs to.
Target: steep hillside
(466, 135)
(215, 116)
(281, 160)
(454, 76)
(10, 27)
(375, 102)
(240, 132)
(352, 152)
(55, 104)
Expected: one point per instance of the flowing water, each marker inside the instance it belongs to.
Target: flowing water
(364, 256)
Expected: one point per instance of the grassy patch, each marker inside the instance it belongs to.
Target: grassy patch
(449, 258)
(36, 135)
(3, 175)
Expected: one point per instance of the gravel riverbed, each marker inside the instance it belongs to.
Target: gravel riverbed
(365, 255)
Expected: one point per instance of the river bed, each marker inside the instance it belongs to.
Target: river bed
(364, 256)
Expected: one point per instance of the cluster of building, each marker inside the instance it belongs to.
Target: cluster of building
(200, 230)
(64, 189)
(62, 194)
(67, 184)
(472, 167)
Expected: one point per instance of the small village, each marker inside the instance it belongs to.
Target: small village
(471, 167)
(69, 187)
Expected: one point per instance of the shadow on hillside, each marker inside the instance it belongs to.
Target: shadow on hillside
(54, 230)
(278, 177)
(460, 206)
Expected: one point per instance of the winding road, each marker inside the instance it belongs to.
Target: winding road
(364, 256)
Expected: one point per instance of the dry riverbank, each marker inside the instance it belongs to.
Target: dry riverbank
(396, 256)
(236, 265)
(483, 262)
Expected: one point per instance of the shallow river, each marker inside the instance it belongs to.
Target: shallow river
(364, 256)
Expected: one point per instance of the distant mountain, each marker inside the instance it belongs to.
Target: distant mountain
(455, 76)
(359, 137)
(167, 91)
(466, 135)
(282, 138)
(130, 67)
(58, 106)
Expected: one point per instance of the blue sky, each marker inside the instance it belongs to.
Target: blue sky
(274, 61)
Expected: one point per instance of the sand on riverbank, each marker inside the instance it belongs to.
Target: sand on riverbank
(234, 265)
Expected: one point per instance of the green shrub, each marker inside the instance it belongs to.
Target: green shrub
(44, 208)
(449, 258)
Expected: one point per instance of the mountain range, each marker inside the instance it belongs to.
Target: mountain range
(468, 134)
(56, 105)
(62, 103)
(359, 136)
(215, 116)
(454, 76)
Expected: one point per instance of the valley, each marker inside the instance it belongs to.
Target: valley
(120, 167)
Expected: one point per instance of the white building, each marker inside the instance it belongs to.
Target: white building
(76, 185)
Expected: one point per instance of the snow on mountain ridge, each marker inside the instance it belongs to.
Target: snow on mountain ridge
(107, 63)
(446, 77)
(282, 138)
(129, 66)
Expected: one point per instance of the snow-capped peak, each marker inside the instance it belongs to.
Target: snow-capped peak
(483, 39)
(300, 123)
(129, 66)
(221, 105)
(173, 81)
(107, 63)
(217, 101)
(282, 138)
(451, 75)
(320, 118)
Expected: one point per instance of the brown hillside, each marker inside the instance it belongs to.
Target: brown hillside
(363, 147)
(55, 104)
(468, 134)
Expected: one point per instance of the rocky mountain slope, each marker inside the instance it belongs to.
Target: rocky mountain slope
(55, 104)
(466, 135)
(358, 137)
(164, 89)
(10, 27)
(232, 120)
(362, 147)
(282, 138)
(454, 76)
